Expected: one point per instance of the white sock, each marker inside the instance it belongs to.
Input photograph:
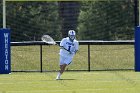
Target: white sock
(59, 74)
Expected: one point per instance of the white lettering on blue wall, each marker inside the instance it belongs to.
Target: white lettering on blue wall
(6, 35)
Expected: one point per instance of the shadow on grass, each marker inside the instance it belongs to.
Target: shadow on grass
(66, 79)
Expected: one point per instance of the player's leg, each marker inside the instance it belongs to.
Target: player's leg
(62, 69)
(62, 59)
(66, 62)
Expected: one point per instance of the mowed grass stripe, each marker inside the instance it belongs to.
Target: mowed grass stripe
(77, 91)
(73, 82)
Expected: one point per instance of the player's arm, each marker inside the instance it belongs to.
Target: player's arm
(76, 47)
(62, 45)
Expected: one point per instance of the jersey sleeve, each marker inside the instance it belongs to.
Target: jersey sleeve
(77, 46)
(62, 42)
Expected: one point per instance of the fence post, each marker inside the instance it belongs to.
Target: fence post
(5, 51)
(41, 58)
(89, 57)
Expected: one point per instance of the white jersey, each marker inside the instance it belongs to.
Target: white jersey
(70, 46)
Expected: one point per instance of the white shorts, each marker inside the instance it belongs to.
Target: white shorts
(65, 60)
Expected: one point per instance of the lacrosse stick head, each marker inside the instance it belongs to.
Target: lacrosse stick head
(48, 39)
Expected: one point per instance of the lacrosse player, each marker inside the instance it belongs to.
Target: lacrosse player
(68, 48)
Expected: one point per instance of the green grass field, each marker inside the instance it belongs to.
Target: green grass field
(73, 82)
(103, 57)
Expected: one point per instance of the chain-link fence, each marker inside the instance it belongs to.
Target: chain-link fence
(92, 20)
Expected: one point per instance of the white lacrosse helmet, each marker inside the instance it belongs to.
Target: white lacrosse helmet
(71, 35)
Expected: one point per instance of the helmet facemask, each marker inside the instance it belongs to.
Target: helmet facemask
(71, 35)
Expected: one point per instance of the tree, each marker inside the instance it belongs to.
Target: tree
(30, 20)
(68, 12)
(1, 13)
(106, 20)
